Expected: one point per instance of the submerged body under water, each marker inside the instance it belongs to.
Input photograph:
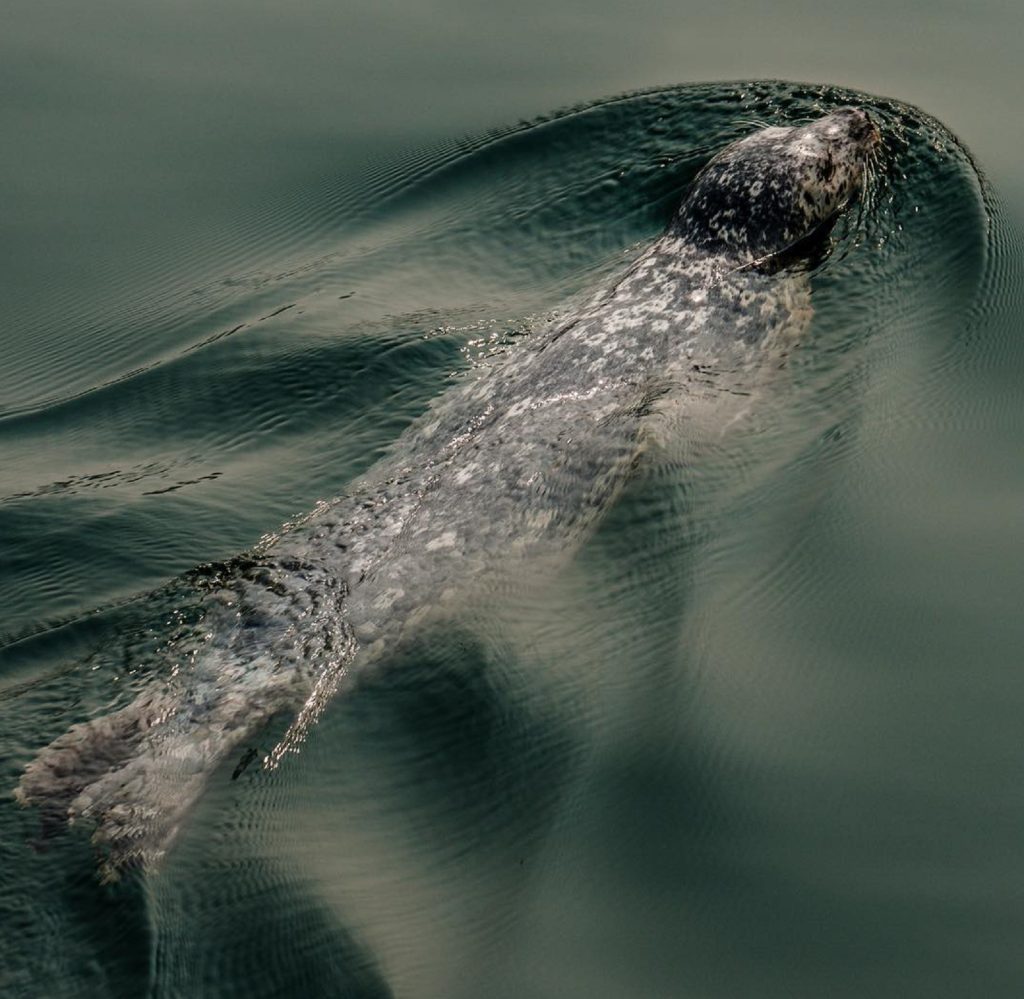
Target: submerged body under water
(526, 707)
(519, 462)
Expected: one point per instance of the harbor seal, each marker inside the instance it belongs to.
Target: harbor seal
(520, 459)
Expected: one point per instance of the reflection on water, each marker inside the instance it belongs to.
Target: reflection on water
(760, 738)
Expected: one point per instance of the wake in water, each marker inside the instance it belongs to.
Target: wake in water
(519, 461)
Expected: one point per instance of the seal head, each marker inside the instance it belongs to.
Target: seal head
(763, 194)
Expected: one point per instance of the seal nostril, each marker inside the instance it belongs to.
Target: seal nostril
(861, 126)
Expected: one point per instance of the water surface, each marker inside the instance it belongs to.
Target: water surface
(762, 736)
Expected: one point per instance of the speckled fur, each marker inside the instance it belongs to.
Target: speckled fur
(521, 458)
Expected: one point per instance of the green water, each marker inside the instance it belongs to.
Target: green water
(762, 738)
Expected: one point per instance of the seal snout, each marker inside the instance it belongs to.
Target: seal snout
(859, 126)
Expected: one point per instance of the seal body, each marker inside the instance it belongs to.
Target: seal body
(519, 460)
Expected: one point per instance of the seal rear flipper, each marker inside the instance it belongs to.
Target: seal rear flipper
(134, 776)
(136, 811)
(86, 752)
(136, 773)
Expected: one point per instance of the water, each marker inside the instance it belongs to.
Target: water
(760, 738)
